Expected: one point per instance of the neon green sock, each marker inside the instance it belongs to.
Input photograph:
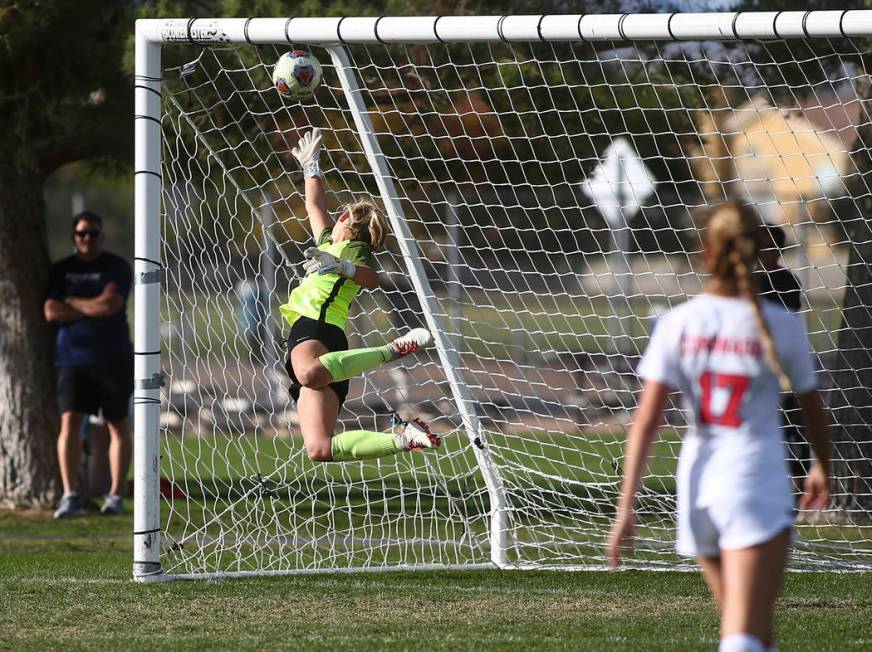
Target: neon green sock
(343, 365)
(363, 445)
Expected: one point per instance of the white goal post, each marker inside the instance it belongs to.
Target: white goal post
(476, 134)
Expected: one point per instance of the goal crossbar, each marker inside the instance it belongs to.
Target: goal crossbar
(577, 27)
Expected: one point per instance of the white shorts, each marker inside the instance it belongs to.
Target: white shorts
(705, 531)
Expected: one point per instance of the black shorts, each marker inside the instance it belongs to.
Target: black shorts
(89, 387)
(330, 336)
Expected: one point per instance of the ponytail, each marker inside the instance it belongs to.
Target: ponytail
(367, 223)
(733, 242)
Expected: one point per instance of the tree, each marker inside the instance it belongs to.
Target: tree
(63, 98)
(851, 398)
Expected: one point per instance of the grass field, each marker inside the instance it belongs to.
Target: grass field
(66, 585)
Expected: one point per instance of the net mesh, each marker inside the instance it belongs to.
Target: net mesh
(546, 290)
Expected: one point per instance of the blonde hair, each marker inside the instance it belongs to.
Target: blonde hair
(732, 239)
(367, 223)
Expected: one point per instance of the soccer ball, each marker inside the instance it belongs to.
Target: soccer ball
(297, 74)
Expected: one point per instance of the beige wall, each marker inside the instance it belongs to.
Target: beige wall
(771, 155)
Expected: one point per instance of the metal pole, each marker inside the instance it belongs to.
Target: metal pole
(146, 342)
(624, 281)
(620, 265)
(451, 362)
(532, 27)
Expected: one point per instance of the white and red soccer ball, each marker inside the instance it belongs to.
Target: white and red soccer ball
(297, 74)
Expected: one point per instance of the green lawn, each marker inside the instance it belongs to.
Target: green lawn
(408, 509)
(66, 585)
(218, 461)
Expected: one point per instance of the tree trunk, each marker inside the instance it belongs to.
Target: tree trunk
(851, 399)
(28, 411)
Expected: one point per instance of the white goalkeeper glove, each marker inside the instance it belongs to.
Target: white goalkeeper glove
(320, 262)
(308, 151)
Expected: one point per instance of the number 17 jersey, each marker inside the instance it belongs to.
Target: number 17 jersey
(710, 349)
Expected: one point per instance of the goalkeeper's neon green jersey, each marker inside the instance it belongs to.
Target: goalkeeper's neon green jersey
(328, 297)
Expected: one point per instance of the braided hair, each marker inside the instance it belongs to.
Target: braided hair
(732, 239)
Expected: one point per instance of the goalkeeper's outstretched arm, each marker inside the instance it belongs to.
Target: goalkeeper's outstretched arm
(316, 206)
(308, 153)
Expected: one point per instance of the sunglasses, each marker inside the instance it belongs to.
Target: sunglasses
(94, 233)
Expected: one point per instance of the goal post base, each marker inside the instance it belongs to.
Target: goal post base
(150, 573)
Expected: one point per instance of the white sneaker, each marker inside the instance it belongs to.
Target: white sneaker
(416, 436)
(69, 506)
(415, 339)
(112, 505)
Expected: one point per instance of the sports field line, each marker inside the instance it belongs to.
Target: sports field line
(54, 538)
(50, 581)
(327, 583)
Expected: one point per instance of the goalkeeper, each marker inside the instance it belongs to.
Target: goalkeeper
(319, 363)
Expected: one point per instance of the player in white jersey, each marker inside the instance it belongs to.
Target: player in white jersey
(730, 356)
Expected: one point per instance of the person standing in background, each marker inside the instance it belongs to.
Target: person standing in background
(779, 285)
(774, 281)
(87, 297)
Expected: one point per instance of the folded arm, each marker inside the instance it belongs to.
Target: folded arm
(366, 277)
(108, 302)
(100, 306)
(59, 312)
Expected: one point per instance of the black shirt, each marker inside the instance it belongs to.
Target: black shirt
(90, 340)
(780, 286)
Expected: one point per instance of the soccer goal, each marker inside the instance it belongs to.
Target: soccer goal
(540, 175)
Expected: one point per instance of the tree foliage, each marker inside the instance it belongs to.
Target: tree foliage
(63, 95)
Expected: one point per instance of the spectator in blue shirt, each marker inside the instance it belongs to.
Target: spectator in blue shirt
(86, 297)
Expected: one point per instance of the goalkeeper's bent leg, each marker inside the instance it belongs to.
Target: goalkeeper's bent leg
(363, 445)
(343, 365)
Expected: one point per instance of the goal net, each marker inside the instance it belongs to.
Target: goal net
(542, 191)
